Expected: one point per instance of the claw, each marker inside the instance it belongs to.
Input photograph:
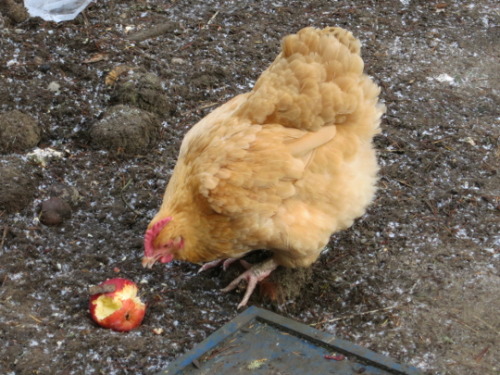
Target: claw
(209, 265)
(252, 275)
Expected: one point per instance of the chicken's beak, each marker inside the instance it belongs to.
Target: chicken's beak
(147, 262)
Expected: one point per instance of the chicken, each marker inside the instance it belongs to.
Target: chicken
(281, 168)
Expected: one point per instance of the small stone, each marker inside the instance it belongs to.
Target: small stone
(470, 141)
(157, 331)
(54, 211)
(44, 68)
(178, 60)
(54, 87)
(44, 156)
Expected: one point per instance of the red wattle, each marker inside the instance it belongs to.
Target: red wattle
(166, 258)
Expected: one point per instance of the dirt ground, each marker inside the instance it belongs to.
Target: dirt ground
(415, 278)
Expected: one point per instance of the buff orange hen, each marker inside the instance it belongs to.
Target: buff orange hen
(281, 167)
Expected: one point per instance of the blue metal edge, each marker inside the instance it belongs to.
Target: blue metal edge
(299, 329)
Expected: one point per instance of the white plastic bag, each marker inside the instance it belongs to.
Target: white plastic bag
(55, 10)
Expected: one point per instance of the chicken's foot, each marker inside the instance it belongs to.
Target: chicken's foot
(225, 264)
(254, 274)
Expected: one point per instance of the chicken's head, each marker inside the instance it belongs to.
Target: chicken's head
(156, 247)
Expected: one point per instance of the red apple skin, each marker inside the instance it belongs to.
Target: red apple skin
(125, 309)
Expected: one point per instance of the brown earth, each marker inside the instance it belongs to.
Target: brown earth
(415, 278)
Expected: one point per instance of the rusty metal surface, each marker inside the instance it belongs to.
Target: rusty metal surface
(261, 342)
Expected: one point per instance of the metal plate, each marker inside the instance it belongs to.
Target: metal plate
(264, 343)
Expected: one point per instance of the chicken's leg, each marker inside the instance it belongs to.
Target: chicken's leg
(252, 275)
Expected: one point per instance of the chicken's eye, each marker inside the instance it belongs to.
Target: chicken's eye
(166, 245)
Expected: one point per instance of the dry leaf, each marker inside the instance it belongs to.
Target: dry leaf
(115, 73)
(95, 58)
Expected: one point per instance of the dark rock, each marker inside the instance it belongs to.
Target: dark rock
(54, 211)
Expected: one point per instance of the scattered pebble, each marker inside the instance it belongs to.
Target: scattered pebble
(178, 60)
(470, 141)
(44, 156)
(54, 87)
(54, 211)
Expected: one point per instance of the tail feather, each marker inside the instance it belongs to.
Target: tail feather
(317, 80)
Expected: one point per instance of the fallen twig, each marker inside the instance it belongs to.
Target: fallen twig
(404, 183)
(35, 318)
(354, 315)
(211, 20)
(487, 325)
(152, 32)
(125, 201)
(4, 235)
(336, 357)
(204, 106)
(99, 289)
(482, 353)
(220, 351)
(433, 209)
(465, 325)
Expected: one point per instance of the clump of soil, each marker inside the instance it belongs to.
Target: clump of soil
(126, 130)
(142, 90)
(18, 132)
(67, 193)
(14, 11)
(285, 285)
(18, 185)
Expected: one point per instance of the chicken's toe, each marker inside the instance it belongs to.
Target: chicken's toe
(228, 262)
(209, 265)
(225, 264)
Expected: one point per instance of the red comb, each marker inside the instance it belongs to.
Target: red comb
(151, 234)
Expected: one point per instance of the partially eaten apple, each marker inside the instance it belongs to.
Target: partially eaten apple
(115, 304)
